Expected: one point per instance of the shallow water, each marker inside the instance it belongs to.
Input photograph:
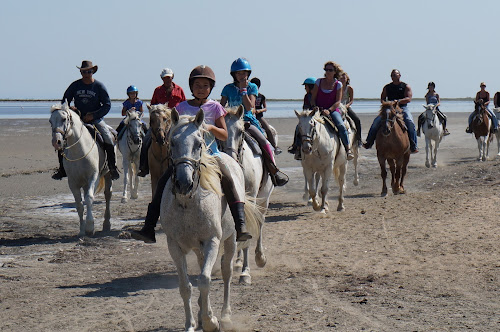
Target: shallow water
(276, 109)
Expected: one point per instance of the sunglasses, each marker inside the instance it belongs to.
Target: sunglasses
(90, 71)
(329, 70)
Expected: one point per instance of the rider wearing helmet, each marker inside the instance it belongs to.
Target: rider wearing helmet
(309, 86)
(132, 103)
(201, 83)
(260, 108)
(243, 92)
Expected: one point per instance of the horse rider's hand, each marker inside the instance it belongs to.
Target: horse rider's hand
(325, 111)
(243, 83)
(88, 118)
(73, 108)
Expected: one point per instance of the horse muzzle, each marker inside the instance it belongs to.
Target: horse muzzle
(306, 148)
(183, 183)
(57, 141)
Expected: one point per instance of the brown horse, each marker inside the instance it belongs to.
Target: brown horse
(393, 145)
(481, 127)
(159, 122)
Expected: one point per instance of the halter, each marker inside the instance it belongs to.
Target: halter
(309, 137)
(194, 164)
(229, 150)
(130, 140)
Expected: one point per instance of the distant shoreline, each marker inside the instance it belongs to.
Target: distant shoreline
(268, 99)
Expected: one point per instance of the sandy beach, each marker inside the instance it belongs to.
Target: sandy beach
(425, 261)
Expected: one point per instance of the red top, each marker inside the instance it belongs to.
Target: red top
(160, 96)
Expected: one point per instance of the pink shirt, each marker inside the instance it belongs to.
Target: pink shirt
(212, 110)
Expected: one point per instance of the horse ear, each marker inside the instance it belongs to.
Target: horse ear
(200, 116)
(149, 107)
(240, 111)
(297, 113)
(175, 116)
(425, 106)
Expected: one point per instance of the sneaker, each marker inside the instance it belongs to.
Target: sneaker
(292, 150)
(446, 132)
(61, 173)
(468, 130)
(142, 173)
(114, 174)
(350, 155)
(414, 151)
(277, 151)
(144, 235)
(366, 145)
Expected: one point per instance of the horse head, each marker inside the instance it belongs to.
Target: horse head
(235, 132)
(186, 147)
(388, 113)
(307, 128)
(430, 114)
(62, 123)
(133, 123)
(159, 122)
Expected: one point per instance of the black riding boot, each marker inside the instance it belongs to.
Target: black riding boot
(277, 177)
(147, 233)
(238, 213)
(61, 173)
(143, 162)
(420, 122)
(110, 156)
(120, 127)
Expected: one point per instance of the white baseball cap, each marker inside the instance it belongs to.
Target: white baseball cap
(166, 72)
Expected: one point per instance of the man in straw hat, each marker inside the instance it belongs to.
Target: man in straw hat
(92, 101)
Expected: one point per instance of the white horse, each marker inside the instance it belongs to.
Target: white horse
(84, 162)
(196, 217)
(322, 156)
(434, 132)
(496, 111)
(258, 184)
(130, 146)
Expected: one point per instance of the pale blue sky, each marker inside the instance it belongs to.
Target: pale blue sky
(451, 42)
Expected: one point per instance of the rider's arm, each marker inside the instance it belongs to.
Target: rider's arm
(383, 95)
(439, 100)
(338, 98)
(351, 96)
(408, 96)
(314, 95)
(219, 130)
(487, 101)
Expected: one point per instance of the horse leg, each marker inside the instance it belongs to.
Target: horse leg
(227, 273)
(355, 162)
(126, 179)
(185, 287)
(108, 190)
(341, 173)
(134, 179)
(79, 208)
(245, 277)
(210, 251)
(324, 190)
(434, 159)
(88, 194)
(395, 166)
(480, 147)
(404, 168)
(383, 174)
(428, 145)
(260, 257)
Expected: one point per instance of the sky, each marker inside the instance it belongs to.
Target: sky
(454, 43)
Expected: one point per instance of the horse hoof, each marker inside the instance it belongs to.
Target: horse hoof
(106, 226)
(211, 325)
(427, 165)
(238, 264)
(260, 259)
(134, 196)
(89, 233)
(356, 182)
(245, 279)
(226, 324)
(124, 199)
(340, 208)
(383, 194)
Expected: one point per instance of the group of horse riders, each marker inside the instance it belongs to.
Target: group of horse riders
(92, 102)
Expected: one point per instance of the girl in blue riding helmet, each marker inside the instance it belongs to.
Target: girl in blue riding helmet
(132, 103)
(243, 92)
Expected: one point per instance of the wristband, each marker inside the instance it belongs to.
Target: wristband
(243, 91)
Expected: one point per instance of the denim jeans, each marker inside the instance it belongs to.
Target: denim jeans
(102, 127)
(408, 119)
(337, 120)
(493, 118)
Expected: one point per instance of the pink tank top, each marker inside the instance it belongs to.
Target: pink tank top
(326, 100)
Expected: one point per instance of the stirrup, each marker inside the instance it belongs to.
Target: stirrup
(277, 180)
(349, 154)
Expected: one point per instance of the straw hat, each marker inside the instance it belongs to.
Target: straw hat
(86, 64)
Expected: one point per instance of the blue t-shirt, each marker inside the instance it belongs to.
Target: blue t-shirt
(89, 98)
(232, 93)
(128, 105)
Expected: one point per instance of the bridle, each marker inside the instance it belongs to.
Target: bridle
(308, 137)
(65, 136)
(194, 164)
(130, 138)
(231, 151)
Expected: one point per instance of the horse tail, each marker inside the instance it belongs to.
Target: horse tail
(100, 186)
(254, 216)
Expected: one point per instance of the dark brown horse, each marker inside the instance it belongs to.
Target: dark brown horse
(393, 145)
(481, 127)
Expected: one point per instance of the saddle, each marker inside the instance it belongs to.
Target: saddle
(253, 144)
(99, 139)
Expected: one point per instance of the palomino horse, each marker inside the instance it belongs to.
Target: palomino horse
(481, 127)
(393, 145)
(496, 111)
(159, 124)
(130, 146)
(434, 132)
(84, 162)
(322, 156)
(258, 184)
(196, 217)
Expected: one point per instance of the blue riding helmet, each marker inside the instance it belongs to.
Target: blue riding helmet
(240, 64)
(309, 80)
(132, 88)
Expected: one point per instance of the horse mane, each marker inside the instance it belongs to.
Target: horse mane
(317, 115)
(210, 173)
(55, 107)
(161, 108)
(395, 109)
